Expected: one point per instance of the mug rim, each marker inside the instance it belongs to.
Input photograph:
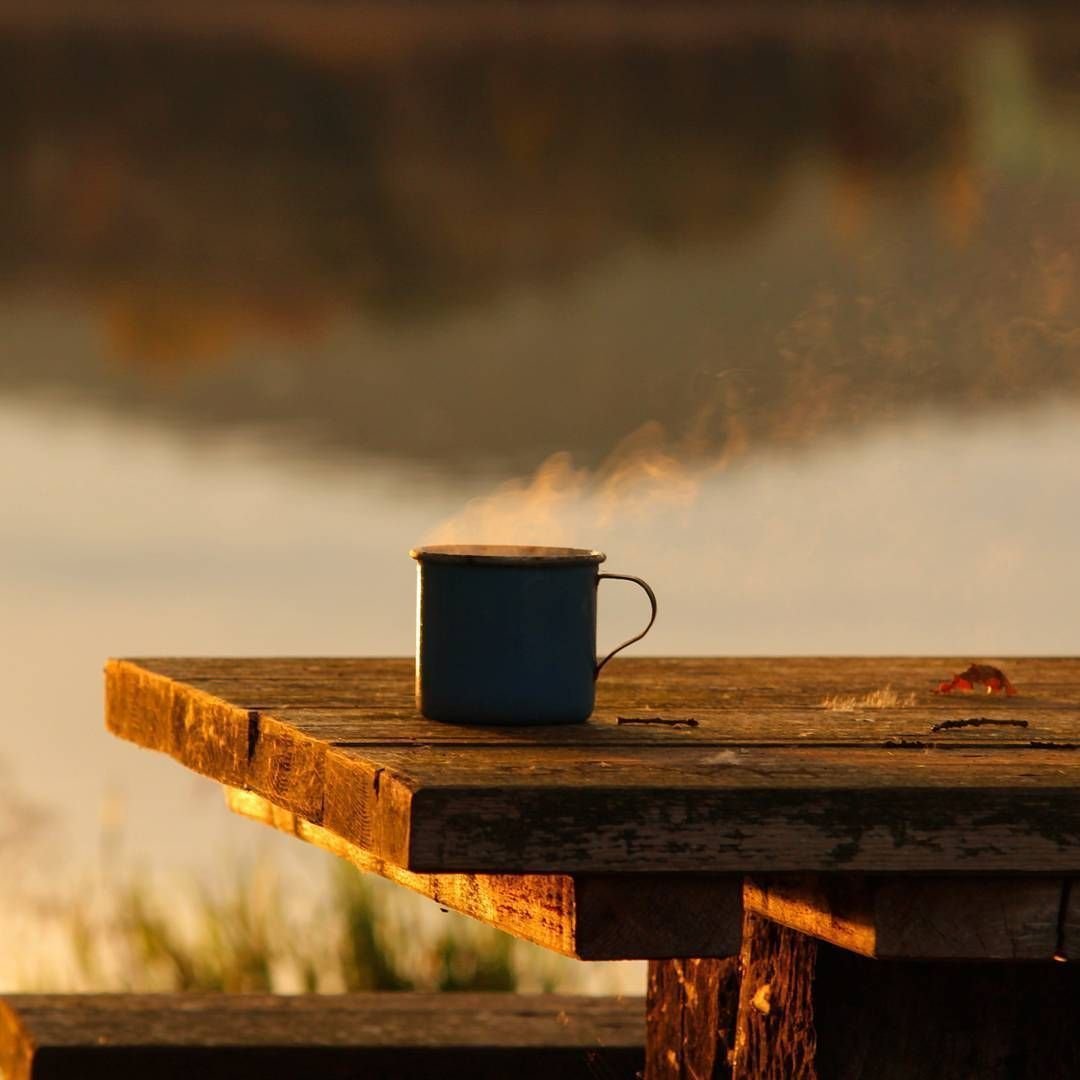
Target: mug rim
(507, 554)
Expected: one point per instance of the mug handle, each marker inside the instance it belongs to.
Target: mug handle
(652, 618)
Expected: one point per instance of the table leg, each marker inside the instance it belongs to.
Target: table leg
(811, 1011)
(690, 1018)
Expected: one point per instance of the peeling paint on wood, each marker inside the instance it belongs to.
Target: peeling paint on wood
(768, 780)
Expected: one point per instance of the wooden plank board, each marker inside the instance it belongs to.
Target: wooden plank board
(560, 809)
(281, 754)
(691, 1008)
(590, 916)
(666, 670)
(173, 1036)
(228, 733)
(642, 683)
(756, 784)
(886, 728)
(931, 918)
(808, 1010)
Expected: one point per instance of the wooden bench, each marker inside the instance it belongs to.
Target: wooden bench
(410, 1036)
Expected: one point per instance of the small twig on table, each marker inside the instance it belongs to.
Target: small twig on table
(977, 721)
(662, 721)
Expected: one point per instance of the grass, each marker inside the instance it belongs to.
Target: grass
(141, 937)
(116, 928)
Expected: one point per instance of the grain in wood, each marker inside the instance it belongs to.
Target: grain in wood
(214, 1037)
(923, 918)
(591, 917)
(691, 1012)
(757, 785)
(811, 1011)
(749, 809)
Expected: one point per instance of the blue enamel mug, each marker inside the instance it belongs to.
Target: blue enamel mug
(507, 635)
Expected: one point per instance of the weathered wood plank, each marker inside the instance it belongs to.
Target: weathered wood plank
(810, 1011)
(942, 918)
(206, 733)
(374, 704)
(648, 682)
(255, 731)
(658, 915)
(775, 1038)
(169, 1037)
(752, 787)
(838, 909)
(620, 697)
(749, 810)
(912, 728)
(776, 769)
(691, 1011)
(842, 672)
(591, 917)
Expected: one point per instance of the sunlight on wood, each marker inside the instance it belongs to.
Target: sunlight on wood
(885, 698)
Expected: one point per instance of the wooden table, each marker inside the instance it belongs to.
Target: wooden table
(835, 871)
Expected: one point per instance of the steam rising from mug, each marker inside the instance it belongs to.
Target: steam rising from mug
(646, 474)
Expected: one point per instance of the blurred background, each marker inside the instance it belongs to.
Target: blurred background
(778, 307)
